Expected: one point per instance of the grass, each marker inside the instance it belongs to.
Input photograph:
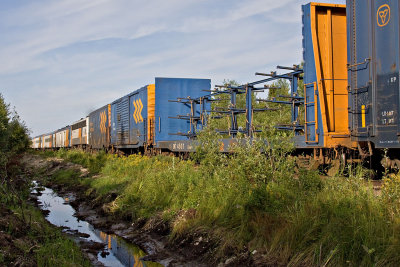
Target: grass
(256, 198)
(52, 247)
(33, 239)
(94, 162)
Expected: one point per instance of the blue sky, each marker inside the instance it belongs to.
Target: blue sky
(62, 59)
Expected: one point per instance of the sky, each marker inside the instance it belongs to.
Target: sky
(63, 59)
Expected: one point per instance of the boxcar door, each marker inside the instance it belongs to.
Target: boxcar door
(123, 121)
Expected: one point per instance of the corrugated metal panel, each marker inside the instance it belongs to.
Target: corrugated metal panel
(171, 89)
(129, 115)
(122, 110)
(374, 71)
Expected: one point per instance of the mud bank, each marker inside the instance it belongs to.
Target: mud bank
(151, 235)
(102, 248)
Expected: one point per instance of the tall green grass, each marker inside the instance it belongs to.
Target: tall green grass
(93, 161)
(53, 248)
(258, 198)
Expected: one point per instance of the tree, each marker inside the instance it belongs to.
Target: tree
(14, 137)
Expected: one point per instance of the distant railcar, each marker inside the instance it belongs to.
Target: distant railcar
(63, 137)
(99, 128)
(79, 133)
(36, 142)
(47, 141)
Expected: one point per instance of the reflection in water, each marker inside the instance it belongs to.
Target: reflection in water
(127, 254)
(121, 253)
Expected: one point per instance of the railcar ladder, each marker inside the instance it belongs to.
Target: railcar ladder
(306, 105)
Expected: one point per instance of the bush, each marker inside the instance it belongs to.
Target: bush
(14, 137)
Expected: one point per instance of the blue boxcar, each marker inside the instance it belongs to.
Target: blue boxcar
(373, 63)
(172, 89)
(143, 117)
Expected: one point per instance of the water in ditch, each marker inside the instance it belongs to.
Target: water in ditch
(117, 252)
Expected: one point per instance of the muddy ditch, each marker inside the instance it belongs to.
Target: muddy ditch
(101, 247)
(144, 241)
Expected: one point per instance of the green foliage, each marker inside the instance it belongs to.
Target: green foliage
(14, 137)
(59, 251)
(93, 161)
(66, 177)
(336, 220)
(52, 247)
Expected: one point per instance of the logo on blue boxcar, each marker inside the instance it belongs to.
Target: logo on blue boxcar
(383, 15)
(137, 114)
(103, 120)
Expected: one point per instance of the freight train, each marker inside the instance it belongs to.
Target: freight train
(350, 97)
(139, 121)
